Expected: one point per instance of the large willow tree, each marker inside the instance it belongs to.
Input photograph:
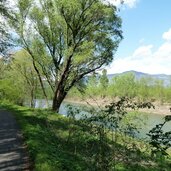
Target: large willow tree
(67, 39)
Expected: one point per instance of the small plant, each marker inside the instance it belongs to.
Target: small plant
(108, 121)
(160, 140)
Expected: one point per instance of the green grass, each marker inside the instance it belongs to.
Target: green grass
(46, 135)
(57, 143)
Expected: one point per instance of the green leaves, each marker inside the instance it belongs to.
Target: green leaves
(104, 82)
(5, 39)
(160, 140)
(36, 14)
(67, 39)
(24, 6)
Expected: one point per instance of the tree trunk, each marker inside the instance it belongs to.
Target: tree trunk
(58, 99)
(32, 98)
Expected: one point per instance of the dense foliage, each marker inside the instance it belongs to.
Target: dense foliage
(76, 37)
(18, 81)
(4, 34)
(126, 85)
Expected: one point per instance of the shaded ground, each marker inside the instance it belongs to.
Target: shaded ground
(13, 156)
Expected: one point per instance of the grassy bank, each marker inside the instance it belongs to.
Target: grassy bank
(57, 143)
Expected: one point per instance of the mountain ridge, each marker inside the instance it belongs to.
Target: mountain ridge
(138, 72)
(138, 75)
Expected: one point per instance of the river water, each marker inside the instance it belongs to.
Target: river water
(149, 120)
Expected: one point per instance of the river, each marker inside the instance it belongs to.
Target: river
(149, 119)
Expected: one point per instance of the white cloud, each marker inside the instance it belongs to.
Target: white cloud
(141, 41)
(167, 35)
(129, 3)
(143, 51)
(145, 59)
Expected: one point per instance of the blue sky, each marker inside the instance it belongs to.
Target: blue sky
(147, 37)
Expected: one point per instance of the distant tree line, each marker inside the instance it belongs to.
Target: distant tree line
(126, 85)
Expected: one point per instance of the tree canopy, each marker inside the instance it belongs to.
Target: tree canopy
(4, 35)
(67, 39)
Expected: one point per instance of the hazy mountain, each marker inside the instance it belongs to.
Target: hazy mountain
(138, 75)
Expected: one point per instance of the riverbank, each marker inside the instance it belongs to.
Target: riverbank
(160, 109)
(60, 143)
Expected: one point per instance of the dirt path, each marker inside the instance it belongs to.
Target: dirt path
(13, 156)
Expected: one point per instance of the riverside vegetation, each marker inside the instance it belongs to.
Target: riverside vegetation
(104, 141)
(99, 86)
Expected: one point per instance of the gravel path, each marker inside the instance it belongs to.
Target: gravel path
(13, 156)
